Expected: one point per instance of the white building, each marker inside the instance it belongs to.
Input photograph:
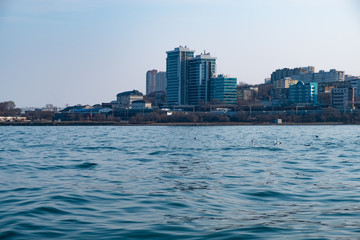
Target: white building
(332, 76)
(321, 76)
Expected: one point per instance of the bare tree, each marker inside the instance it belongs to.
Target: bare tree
(9, 109)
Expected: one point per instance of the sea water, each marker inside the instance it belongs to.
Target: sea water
(180, 182)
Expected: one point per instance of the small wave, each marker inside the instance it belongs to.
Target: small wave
(70, 199)
(9, 235)
(273, 149)
(142, 159)
(182, 154)
(20, 189)
(51, 210)
(87, 165)
(41, 146)
(158, 153)
(56, 167)
(12, 150)
(268, 194)
(100, 148)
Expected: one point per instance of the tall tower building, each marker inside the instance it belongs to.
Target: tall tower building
(201, 69)
(155, 81)
(160, 82)
(151, 81)
(177, 75)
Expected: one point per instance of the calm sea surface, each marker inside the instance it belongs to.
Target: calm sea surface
(151, 182)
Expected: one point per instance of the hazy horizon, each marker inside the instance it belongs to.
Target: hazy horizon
(86, 51)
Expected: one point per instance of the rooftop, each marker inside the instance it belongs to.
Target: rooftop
(181, 49)
(133, 92)
(204, 56)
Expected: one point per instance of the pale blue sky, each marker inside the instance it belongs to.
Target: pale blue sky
(86, 51)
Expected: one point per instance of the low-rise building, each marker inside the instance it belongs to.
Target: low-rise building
(247, 92)
(125, 99)
(12, 119)
(223, 89)
(141, 104)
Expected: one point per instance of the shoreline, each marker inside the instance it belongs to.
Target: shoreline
(167, 124)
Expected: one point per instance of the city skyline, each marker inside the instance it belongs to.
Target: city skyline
(85, 52)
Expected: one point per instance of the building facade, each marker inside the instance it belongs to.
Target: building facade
(281, 87)
(155, 81)
(151, 81)
(201, 69)
(331, 76)
(160, 82)
(285, 83)
(223, 89)
(140, 104)
(355, 83)
(321, 77)
(125, 99)
(177, 75)
(287, 72)
(304, 93)
(342, 98)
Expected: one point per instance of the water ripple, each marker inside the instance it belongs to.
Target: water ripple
(152, 182)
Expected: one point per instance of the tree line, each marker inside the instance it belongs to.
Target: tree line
(8, 108)
(326, 115)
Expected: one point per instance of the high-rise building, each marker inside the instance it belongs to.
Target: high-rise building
(177, 75)
(150, 81)
(223, 89)
(160, 82)
(155, 81)
(200, 70)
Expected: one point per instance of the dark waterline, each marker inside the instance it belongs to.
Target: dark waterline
(178, 182)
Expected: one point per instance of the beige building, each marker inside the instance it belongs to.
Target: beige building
(285, 83)
(125, 99)
(281, 88)
(141, 104)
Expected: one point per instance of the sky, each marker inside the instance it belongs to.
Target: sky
(86, 51)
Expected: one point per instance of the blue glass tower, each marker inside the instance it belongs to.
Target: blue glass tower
(201, 69)
(177, 75)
